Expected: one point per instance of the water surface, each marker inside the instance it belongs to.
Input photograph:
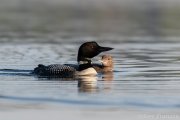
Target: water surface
(146, 75)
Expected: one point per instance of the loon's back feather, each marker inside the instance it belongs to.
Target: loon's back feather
(55, 70)
(75, 66)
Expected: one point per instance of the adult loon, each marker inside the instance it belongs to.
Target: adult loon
(107, 64)
(86, 51)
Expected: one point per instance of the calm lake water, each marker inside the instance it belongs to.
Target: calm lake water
(146, 74)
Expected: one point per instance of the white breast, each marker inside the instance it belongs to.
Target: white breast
(88, 71)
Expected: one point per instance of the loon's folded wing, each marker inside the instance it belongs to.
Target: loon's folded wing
(54, 70)
(75, 66)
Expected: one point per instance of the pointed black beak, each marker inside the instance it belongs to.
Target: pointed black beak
(102, 49)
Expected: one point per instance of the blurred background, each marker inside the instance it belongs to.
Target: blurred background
(103, 19)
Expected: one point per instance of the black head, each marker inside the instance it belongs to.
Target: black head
(89, 50)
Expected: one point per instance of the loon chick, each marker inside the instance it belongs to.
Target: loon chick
(86, 51)
(107, 64)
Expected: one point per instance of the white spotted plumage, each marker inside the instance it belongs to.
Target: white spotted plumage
(56, 69)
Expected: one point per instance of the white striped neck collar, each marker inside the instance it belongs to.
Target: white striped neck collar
(84, 62)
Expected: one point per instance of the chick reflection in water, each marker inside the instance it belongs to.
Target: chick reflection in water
(87, 84)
